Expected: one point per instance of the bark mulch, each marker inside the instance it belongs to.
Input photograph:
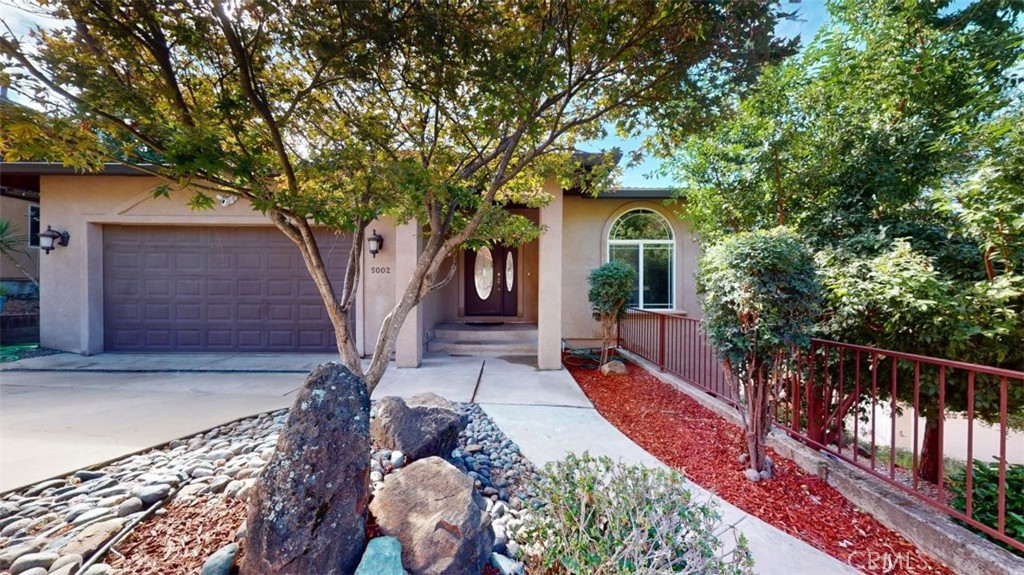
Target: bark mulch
(179, 541)
(685, 435)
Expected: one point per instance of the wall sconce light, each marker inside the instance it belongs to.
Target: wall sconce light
(51, 238)
(375, 242)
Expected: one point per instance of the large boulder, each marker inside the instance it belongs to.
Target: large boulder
(440, 520)
(421, 426)
(307, 511)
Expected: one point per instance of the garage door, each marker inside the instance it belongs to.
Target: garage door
(213, 289)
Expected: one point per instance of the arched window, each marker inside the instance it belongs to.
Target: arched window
(644, 240)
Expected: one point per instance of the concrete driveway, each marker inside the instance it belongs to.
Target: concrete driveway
(63, 412)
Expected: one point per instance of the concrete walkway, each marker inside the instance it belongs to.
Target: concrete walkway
(63, 412)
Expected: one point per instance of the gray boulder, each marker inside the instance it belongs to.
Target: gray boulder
(440, 520)
(307, 511)
(421, 426)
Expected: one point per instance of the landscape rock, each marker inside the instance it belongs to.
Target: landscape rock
(129, 506)
(614, 368)
(153, 493)
(506, 566)
(752, 474)
(383, 556)
(99, 569)
(33, 561)
(65, 570)
(421, 426)
(317, 478)
(93, 537)
(433, 510)
(73, 560)
(33, 571)
(9, 555)
(222, 561)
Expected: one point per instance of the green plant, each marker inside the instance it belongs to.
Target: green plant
(603, 518)
(610, 288)
(12, 245)
(985, 500)
(761, 296)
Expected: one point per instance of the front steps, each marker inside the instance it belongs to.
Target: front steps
(480, 339)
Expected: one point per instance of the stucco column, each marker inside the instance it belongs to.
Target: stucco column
(549, 305)
(409, 347)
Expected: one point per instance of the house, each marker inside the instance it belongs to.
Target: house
(19, 206)
(149, 274)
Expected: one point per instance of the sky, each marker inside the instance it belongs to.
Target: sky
(811, 14)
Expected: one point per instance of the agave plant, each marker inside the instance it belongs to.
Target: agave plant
(12, 244)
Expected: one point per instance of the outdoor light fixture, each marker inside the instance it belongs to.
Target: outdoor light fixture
(375, 243)
(51, 238)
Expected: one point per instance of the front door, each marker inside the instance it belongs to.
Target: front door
(492, 282)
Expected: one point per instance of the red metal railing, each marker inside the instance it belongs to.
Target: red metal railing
(897, 416)
(677, 344)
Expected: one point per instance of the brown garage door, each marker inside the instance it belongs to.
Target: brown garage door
(213, 289)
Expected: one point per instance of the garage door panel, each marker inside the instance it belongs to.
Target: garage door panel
(213, 289)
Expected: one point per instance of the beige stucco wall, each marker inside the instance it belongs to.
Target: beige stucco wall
(585, 235)
(15, 210)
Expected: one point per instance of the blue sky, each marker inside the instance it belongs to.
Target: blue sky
(811, 15)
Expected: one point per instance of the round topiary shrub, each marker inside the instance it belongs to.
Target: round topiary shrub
(611, 286)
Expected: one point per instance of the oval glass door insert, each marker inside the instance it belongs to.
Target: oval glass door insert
(483, 273)
(510, 271)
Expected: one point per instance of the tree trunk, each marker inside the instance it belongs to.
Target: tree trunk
(931, 450)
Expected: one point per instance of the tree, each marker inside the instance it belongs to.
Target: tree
(761, 298)
(611, 285)
(892, 145)
(12, 244)
(332, 114)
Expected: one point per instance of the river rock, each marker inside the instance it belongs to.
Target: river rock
(422, 426)
(318, 478)
(383, 556)
(33, 561)
(10, 554)
(222, 561)
(433, 510)
(93, 537)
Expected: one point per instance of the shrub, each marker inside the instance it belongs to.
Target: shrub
(761, 297)
(597, 517)
(611, 286)
(985, 502)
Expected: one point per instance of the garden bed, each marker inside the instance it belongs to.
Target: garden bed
(706, 448)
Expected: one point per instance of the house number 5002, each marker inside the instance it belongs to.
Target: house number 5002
(380, 270)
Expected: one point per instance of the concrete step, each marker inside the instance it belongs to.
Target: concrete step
(510, 333)
(484, 347)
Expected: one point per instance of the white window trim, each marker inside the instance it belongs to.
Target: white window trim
(640, 256)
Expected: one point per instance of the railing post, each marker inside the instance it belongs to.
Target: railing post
(661, 341)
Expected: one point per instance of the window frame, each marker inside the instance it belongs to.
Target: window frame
(609, 243)
(33, 238)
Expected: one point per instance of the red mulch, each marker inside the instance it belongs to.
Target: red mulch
(693, 439)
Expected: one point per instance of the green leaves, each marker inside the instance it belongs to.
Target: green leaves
(598, 516)
(761, 295)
